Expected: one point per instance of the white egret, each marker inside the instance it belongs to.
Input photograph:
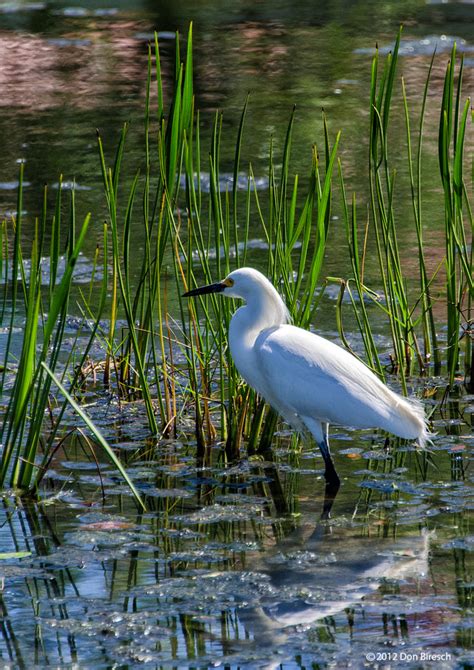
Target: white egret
(310, 381)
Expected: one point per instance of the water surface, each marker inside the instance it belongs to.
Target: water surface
(233, 566)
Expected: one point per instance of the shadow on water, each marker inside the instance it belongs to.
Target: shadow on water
(241, 565)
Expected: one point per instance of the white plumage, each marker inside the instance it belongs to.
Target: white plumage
(310, 381)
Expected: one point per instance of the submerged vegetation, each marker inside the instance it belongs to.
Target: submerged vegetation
(195, 226)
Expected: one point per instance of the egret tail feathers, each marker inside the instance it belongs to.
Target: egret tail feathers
(412, 422)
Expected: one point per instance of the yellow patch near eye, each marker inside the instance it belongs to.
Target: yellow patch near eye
(228, 282)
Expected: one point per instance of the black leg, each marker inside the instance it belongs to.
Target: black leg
(332, 484)
(330, 493)
(330, 474)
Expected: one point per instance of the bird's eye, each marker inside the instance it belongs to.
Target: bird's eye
(228, 282)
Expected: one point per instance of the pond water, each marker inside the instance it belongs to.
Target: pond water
(233, 566)
(69, 68)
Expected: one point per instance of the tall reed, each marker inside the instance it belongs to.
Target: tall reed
(294, 239)
(410, 316)
(43, 333)
(142, 348)
(28, 444)
(458, 212)
(196, 221)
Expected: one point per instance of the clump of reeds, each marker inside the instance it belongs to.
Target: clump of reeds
(31, 424)
(458, 218)
(295, 226)
(207, 241)
(411, 314)
(170, 362)
(46, 309)
(294, 233)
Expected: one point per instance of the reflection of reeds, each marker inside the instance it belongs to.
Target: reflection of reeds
(175, 589)
(201, 556)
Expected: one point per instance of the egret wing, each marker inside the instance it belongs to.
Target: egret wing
(310, 376)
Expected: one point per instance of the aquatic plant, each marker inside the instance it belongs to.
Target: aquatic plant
(208, 241)
(196, 223)
(410, 313)
(28, 445)
(142, 348)
(458, 215)
(295, 242)
(46, 310)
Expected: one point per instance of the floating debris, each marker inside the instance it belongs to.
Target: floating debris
(12, 185)
(16, 7)
(218, 513)
(82, 270)
(226, 182)
(424, 46)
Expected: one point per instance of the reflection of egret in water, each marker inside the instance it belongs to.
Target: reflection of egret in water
(278, 493)
(316, 574)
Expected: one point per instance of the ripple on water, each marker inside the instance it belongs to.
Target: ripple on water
(12, 185)
(424, 46)
(16, 7)
(226, 182)
(83, 270)
(83, 12)
(66, 42)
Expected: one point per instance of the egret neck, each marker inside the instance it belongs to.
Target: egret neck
(264, 310)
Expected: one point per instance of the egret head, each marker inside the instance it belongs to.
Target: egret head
(242, 283)
(258, 292)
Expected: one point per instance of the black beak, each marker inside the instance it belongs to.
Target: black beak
(210, 288)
